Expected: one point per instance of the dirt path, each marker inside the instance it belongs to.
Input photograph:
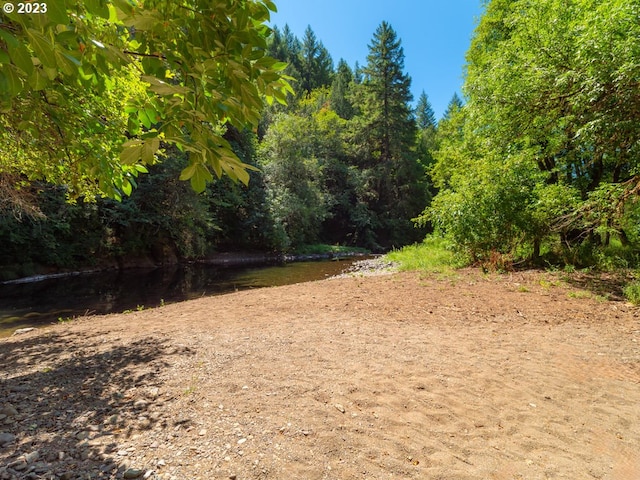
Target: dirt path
(396, 376)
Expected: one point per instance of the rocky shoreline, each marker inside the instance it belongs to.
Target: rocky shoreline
(369, 267)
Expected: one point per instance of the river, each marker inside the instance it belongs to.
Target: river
(49, 300)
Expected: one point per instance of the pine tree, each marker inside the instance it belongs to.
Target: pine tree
(424, 113)
(455, 104)
(385, 128)
(316, 62)
(388, 95)
(339, 89)
(293, 50)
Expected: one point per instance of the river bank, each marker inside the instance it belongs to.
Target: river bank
(462, 376)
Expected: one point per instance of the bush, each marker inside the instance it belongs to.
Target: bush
(632, 292)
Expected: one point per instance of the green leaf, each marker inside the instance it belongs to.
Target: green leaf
(67, 66)
(200, 178)
(57, 12)
(42, 47)
(188, 172)
(197, 174)
(97, 7)
(11, 41)
(10, 81)
(38, 80)
(127, 188)
(4, 57)
(150, 147)
(144, 118)
(21, 58)
(131, 152)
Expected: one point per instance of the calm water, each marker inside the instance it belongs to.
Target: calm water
(46, 301)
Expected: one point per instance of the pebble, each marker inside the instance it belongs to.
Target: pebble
(6, 438)
(9, 410)
(22, 331)
(133, 473)
(144, 423)
(339, 407)
(32, 457)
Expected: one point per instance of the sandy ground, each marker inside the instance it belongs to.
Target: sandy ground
(402, 376)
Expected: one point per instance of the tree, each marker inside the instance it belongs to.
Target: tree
(288, 156)
(384, 140)
(425, 117)
(549, 143)
(316, 65)
(342, 80)
(454, 105)
(198, 65)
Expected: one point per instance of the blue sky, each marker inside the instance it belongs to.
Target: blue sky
(435, 35)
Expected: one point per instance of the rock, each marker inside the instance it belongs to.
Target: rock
(153, 393)
(19, 464)
(32, 456)
(82, 435)
(339, 407)
(140, 404)
(144, 423)
(6, 438)
(133, 473)
(9, 410)
(22, 331)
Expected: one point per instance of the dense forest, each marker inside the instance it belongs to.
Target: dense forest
(538, 163)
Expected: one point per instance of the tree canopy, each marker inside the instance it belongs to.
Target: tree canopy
(91, 90)
(546, 147)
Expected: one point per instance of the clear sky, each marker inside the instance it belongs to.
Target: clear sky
(435, 36)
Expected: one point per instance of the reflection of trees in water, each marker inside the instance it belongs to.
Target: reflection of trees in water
(45, 301)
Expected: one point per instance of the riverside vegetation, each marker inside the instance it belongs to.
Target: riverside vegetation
(537, 164)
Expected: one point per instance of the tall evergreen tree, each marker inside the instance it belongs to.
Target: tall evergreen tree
(424, 113)
(316, 62)
(455, 105)
(293, 49)
(339, 89)
(388, 94)
(386, 129)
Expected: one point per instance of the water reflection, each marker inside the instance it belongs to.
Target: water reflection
(46, 301)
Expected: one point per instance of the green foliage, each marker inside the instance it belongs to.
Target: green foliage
(425, 117)
(545, 150)
(292, 174)
(337, 166)
(383, 138)
(632, 292)
(196, 67)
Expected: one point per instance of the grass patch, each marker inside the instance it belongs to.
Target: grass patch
(580, 294)
(432, 255)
